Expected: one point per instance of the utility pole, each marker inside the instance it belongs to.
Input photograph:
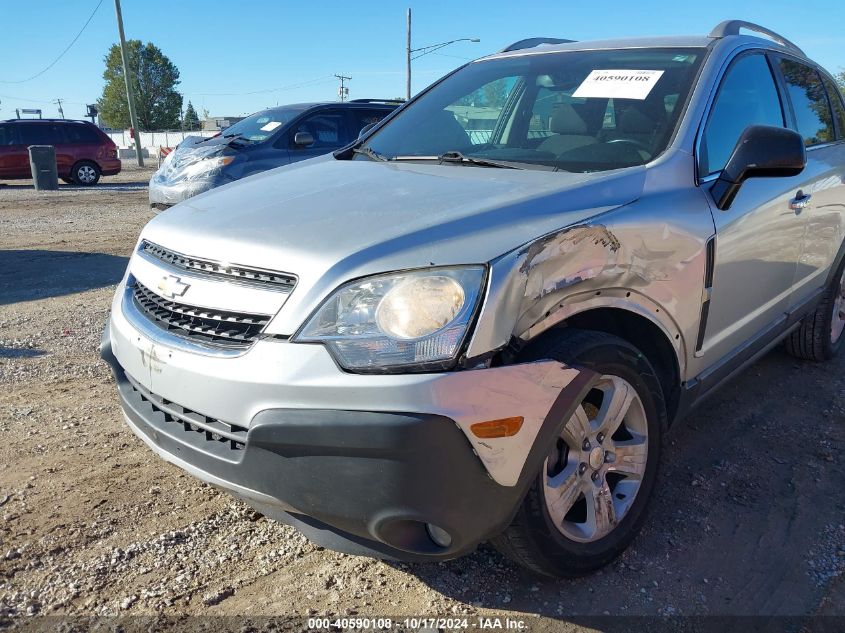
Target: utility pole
(424, 50)
(124, 57)
(58, 102)
(343, 91)
(408, 60)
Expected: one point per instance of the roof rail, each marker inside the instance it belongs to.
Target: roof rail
(47, 120)
(531, 42)
(388, 101)
(732, 27)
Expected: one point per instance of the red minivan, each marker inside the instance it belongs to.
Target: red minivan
(83, 151)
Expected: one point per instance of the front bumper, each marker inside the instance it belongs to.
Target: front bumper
(360, 464)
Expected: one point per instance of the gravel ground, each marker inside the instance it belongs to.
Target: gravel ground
(748, 519)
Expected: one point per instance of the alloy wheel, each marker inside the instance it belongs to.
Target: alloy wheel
(596, 469)
(86, 174)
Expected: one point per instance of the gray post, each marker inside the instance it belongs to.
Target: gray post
(408, 60)
(42, 162)
(123, 56)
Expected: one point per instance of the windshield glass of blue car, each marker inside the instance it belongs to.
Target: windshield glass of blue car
(573, 111)
(260, 126)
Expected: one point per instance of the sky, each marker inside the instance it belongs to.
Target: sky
(239, 56)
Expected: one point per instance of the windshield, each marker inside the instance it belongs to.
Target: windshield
(574, 111)
(261, 125)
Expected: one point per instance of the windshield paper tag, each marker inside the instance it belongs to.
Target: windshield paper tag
(618, 84)
(272, 125)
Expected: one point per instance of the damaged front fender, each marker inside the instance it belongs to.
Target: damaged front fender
(631, 259)
(544, 395)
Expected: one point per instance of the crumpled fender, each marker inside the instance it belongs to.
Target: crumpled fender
(545, 394)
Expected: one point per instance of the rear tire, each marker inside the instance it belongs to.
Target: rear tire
(822, 333)
(610, 477)
(86, 173)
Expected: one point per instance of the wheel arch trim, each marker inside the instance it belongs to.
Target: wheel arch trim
(623, 300)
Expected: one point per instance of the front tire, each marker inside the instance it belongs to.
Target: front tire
(589, 499)
(822, 333)
(86, 173)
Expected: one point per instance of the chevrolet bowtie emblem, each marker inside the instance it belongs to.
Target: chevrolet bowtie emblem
(172, 287)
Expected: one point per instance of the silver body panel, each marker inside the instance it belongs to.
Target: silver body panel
(556, 245)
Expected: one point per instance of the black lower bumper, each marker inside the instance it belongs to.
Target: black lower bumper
(354, 481)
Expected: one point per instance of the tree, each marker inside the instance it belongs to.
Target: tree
(190, 121)
(840, 79)
(154, 78)
(491, 95)
(799, 75)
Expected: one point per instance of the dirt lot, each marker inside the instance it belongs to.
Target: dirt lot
(749, 517)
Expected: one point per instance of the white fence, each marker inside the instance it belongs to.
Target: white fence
(153, 140)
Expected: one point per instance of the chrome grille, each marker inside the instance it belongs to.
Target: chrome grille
(218, 327)
(280, 281)
(200, 430)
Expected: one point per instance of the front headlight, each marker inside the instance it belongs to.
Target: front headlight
(410, 320)
(202, 167)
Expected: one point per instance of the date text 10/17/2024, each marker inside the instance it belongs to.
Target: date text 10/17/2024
(417, 623)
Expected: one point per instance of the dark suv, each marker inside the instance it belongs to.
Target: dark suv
(83, 151)
(264, 140)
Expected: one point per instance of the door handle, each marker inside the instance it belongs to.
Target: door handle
(800, 202)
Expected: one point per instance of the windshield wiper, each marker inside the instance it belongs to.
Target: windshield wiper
(458, 157)
(370, 153)
(207, 138)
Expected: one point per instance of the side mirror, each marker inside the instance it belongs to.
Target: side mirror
(366, 129)
(762, 151)
(303, 139)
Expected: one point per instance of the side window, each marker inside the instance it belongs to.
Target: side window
(80, 133)
(362, 118)
(747, 96)
(6, 135)
(478, 112)
(40, 134)
(836, 102)
(809, 101)
(328, 128)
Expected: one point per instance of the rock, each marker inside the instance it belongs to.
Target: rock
(218, 596)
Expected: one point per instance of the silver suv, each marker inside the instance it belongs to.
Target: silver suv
(478, 321)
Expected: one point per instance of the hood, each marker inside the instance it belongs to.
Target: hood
(328, 220)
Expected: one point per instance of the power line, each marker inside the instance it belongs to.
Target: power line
(55, 61)
(305, 84)
(469, 59)
(310, 82)
(45, 101)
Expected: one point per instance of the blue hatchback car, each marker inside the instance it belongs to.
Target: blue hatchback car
(264, 140)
